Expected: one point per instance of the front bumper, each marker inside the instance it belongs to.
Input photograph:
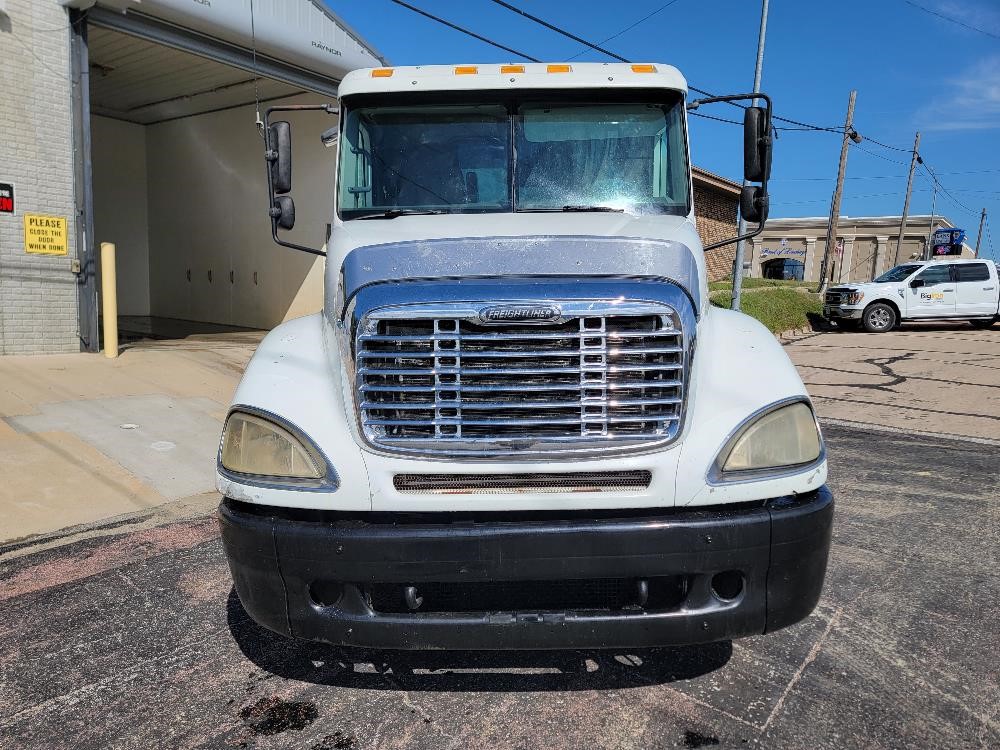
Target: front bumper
(323, 577)
(832, 312)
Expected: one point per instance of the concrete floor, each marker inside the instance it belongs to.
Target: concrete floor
(85, 438)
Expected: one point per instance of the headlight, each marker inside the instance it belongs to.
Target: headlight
(253, 445)
(785, 437)
(854, 298)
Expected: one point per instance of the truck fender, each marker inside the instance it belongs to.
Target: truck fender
(739, 368)
(296, 374)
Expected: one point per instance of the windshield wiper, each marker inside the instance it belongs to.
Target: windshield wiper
(605, 209)
(394, 212)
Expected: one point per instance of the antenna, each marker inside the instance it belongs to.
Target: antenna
(256, 89)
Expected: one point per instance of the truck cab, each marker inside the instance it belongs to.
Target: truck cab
(517, 421)
(953, 289)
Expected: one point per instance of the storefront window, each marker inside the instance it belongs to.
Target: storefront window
(783, 268)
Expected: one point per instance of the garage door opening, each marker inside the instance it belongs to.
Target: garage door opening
(179, 187)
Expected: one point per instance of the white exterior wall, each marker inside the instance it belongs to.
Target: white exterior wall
(120, 207)
(208, 214)
(38, 294)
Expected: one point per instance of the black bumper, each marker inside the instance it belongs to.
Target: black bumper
(342, 580)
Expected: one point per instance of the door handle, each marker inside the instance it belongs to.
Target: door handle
(947, 290)
(988, 288)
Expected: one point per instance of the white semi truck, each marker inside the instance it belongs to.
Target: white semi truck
(945, 289)
(518, 422)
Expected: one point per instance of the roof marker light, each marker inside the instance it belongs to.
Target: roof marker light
(505, 69)
(561, 68)
(466, 70)
(382, 73)
(644, 68)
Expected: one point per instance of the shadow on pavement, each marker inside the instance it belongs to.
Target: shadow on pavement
(472, 671)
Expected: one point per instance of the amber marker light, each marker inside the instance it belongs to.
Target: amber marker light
(559, 69)
(382, 73)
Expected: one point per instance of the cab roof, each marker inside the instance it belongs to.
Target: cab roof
(513, 76)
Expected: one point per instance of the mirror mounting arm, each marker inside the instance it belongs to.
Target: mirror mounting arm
(271, 157)
(765, 138)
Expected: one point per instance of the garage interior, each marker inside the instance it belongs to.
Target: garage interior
(179, 187)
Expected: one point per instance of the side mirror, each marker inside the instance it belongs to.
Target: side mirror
(283, 211)
(917, 283)
(756, 145)
(279, 156)
(754, 204)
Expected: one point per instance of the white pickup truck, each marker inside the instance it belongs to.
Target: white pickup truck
(518, 422)
(954, 289)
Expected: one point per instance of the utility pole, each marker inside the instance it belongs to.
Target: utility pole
(906, 203)
(742, 227)
(979, 236)
(930, 231)
(831, 230)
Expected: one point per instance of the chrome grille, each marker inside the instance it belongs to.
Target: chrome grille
(458, 384)
(834, 298)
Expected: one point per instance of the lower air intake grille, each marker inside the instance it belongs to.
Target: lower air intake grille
(498, 484)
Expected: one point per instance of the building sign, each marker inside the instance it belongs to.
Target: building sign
(770, 252)
(948, 241)
(45, 235)
(6, 197)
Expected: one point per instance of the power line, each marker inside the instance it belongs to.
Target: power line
(559, 30)
(886, 145)
(951, 19)
(879, 156)
(944, 190)
(465, 31)
(616, 56)
(717, 119)
(629, 27)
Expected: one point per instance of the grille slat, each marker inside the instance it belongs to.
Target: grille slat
(581, 481)
(456, 381)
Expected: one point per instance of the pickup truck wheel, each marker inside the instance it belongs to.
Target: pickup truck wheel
(879, 318)
(983, 323)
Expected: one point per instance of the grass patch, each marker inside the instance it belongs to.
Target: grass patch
(753, 283)
(778, 309)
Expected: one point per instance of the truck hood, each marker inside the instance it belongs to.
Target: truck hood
(463, 246)
(870, 289)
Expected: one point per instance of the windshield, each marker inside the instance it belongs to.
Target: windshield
(899, 273)
(513, 156)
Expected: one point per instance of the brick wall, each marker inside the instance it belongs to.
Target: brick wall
(716, 212)
(38, 294)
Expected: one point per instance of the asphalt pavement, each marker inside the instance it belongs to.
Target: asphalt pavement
(131, 637)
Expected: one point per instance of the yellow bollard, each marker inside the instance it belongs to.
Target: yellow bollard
(109, 299)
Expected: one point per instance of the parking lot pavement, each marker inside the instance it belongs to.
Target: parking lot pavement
(134, 639)
(927, 377)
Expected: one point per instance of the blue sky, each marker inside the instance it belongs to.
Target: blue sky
(912, 70)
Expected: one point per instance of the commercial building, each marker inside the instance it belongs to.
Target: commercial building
(867, 246)
(716, 202)
(134, 123)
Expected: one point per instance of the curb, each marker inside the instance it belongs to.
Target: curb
(787, 337)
